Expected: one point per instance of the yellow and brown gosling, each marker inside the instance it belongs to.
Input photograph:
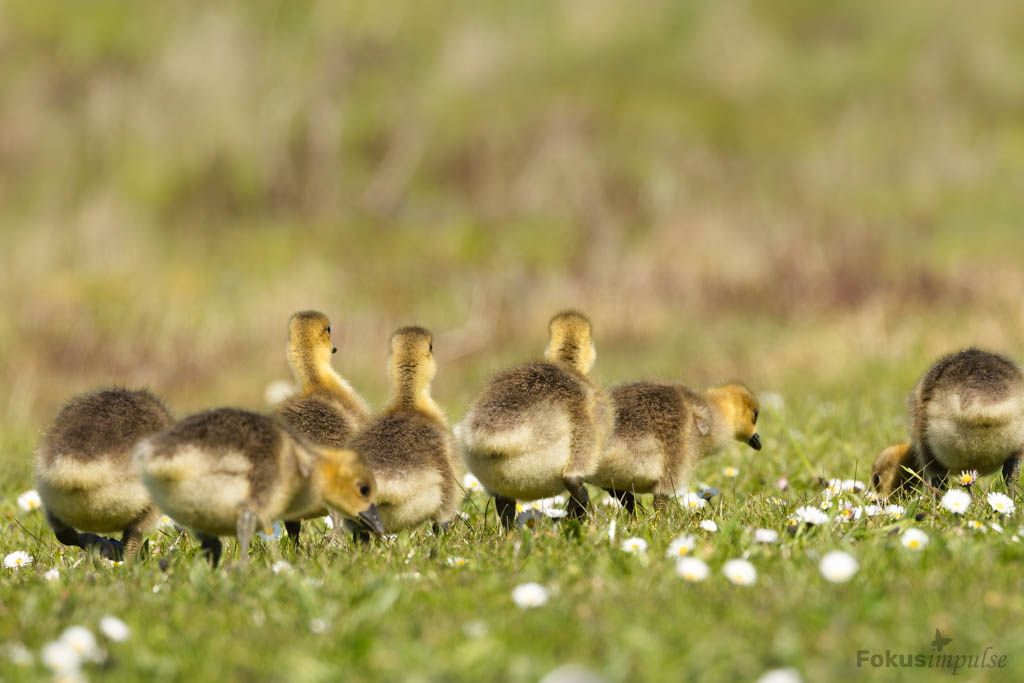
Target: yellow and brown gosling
(229, 471)
(84, 470)
(966, 413)
(326, 411)
(409, 445)
(538, 429)
(663, 430)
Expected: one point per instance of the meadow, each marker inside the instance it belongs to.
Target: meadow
(816, 200)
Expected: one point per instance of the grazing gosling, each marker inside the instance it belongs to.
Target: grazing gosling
(229, 471)
(538, 429)
(966, 413)
(326, 411)
(663, 430)
(409, 445)
(84, 472)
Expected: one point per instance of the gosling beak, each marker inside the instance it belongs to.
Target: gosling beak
(334, 349)
(755, 442)
(371, 520)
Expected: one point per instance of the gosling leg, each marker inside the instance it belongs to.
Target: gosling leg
(293, 528)
(211, 547)
(247, 523)
(1011, 469)
(506, 508)
(108, 547)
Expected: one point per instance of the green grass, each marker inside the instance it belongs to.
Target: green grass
(397, 611)
(817, 200)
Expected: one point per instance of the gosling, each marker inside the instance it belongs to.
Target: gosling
(409, 445)
(966, 413)
(538, 429)
(663, 430)
(327, 411)
(84, 472)
(228, 472)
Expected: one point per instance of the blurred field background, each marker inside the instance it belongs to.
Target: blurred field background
(816, 198)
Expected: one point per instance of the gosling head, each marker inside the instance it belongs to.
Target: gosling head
(740, 408)
(411, 360)
(570, 341)
(888, 473)
(348, 487)
(309, 341)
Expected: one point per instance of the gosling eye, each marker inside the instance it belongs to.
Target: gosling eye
(876, 480)
(755, 417)
(431, 347)
(364, 490)
(328, 329)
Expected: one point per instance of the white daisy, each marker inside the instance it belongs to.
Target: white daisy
(730, 472)
(956, 501)
(611, 531)
(894, 511)
(83, 642)
(766, 535)
(17, 560)
(456, 561)
(634, 545)
(115, 629)
(775, 500)
(115, 563)
(328, 521)
(808, 514)
(780, 676)
(915, 539)
(527, 595)
(853, 485)
(317, 626)
(1001, 502)
(164, 522)
(976, 525)
(610, 501)
(60, 658)
(692, 501)
(872, 510)
(18, 654)
(471, 483)
(740, 572)
(995, 527)
(692, 569)
(849, 512)
(30, 500)
(681, 546)
(51, 574)
(281, 566)
(709, 525)
(837, 566)
(834, 487)
(968, 478)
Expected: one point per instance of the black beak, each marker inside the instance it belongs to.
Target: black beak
(334, 349)
(755, 442)
(371, 520)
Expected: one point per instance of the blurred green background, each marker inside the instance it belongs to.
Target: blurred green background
(812, 197)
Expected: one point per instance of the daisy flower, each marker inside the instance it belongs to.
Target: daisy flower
(17, 560)
(810, 515)
(740, 572)
(83, 642)
(995, 527)
(872, 510)
(915, 539)
(1001, 502)
(326, 519)
(709, 525)
(894, 511)
(692, 501)
(471, 483)
(967, 478)
(456, 561)
(281, 566)
(611, 531)
(115, 563)
(115, 629)
(317, 626)
(51, 574)
(775, 500)
(635, 545)
(849, 513)
(976, 525)
(956, 501)
(692, 569)
(527, 595)
(610, 501)
(730, 472)
(838, 567)
(683, 545)
(782, 484)
(780, 676)
(164, 522)
(766, 535)
(18, 654)
(60, 658)
(30, 500)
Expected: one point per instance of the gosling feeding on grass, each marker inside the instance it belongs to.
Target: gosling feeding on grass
(537, 429)
(409, 445)
(84, 470)
(966, 413)
(229, 471)
(663, 430)
(326, 411)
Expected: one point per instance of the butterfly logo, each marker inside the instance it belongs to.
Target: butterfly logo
(940, 641)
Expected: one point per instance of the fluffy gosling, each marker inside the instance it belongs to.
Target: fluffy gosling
(538, 429)
(966, 413)
(228, 472)
(663, 430)
(84, 472)
(326, 411)
(409, 445)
